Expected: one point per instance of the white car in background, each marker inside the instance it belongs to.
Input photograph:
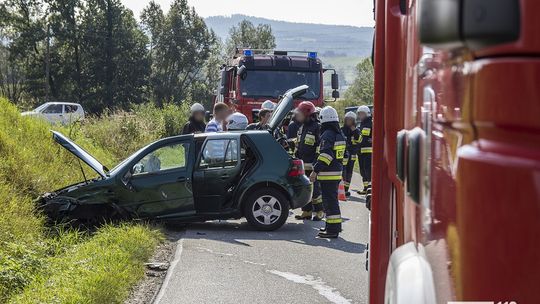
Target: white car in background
(58, 112)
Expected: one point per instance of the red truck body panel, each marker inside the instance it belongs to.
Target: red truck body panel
(477, 222)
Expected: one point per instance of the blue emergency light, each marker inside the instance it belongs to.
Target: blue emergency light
(248, 53)
(312, 55)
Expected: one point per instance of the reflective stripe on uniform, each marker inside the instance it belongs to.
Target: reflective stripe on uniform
(308, 166)
(366, 131)
(334, 219)
(366, 150)
(345, 161)
(354, 157)
(366, 184)
(309, 139)
(325, 158)
(317, 200)
(355, 142)
(329, 176)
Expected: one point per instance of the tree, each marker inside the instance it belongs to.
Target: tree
(183, 46)
(116, 66)
(246, 35)
(361, 91)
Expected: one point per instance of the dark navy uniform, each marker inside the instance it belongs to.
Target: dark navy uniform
(366, 149)
(292, 136)
(307, 143)
(353, 138)
(329, 167)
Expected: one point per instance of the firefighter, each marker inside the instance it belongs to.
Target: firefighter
(308, 139)
(364, 156)
(328, 170)
(292, 135)
(353, 138)
(196, 120)
(264, 117)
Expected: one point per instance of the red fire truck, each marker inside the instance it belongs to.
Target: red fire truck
(456, 157)
(254, 76)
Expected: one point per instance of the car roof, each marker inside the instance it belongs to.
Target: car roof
(62, 103)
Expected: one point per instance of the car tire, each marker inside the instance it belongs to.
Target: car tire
(266, 209)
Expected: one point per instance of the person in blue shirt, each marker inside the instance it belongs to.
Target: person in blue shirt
(219, 122)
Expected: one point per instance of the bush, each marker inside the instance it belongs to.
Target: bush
(31, 253)
(123, 133)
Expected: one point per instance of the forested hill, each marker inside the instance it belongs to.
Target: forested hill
(328, 40)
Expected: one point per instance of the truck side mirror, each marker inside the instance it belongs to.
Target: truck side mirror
(335, 94)
(223, 83)
(242, 72)
(335, 82)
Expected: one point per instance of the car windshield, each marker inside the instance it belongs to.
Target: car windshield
(272, 84)
(41, 107)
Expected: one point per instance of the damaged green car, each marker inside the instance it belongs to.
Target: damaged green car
(191, 178)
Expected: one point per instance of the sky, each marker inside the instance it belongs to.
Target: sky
(339, 12)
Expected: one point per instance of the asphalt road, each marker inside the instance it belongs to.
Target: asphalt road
(228, 262)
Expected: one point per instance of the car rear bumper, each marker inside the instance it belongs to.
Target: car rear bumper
(301, 194)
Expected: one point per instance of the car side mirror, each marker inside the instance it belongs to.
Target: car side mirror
(126, 179)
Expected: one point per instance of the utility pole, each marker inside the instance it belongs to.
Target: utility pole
(47, 64)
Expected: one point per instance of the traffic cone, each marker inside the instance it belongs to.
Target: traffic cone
(341, 192)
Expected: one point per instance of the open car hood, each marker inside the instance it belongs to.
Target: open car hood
(80, 153)
(285, 105)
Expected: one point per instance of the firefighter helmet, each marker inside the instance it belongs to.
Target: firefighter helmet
(364, 109)
(350, 115)
(237, 121)
(329, 114)
(307, 108)
(268, 105)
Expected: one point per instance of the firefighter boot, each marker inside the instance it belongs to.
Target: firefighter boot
(328, 234)
(317, 217)
(306, 215)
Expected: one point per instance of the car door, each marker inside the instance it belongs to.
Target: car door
(216, 174)
(160, 181)
(53, 113)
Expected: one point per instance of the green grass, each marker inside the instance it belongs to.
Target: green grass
(40, 264)
(100, 270)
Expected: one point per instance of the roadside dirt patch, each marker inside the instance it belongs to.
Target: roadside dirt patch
(156, 270)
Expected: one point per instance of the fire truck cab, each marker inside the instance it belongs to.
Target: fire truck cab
(254, 76)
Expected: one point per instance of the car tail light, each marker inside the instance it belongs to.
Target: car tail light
(297, 168)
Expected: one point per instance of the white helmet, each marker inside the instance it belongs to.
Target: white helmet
(237, 121)
(364, 109)
(268, 105)
(197, 107)
(350, 115)
(328, 114)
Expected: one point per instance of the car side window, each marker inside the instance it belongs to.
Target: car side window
(164, 158)
(53, 109)
(70, 108)
(219, 153)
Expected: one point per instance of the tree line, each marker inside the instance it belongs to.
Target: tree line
(95, 52)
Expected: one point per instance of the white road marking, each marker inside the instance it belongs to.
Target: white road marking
(324, 290)
(253, 263)
(170, 271)
(213, 252)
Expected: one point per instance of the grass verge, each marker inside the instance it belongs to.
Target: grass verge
(40, 264)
